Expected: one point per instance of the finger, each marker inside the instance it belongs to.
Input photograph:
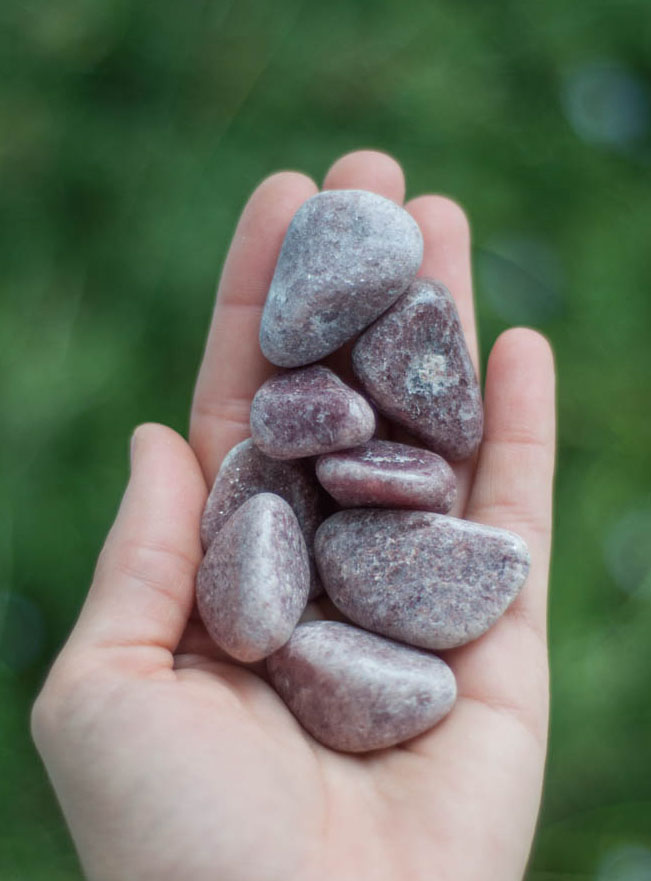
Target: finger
(446, 256)
(507, 667)
(233, 366)
(367, 170)
(143, 589)
(513, 483)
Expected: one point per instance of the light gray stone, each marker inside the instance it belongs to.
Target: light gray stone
(347, 256)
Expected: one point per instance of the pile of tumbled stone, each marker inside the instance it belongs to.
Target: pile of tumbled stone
(367, 521)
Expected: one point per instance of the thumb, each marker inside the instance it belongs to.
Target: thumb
(143, 587)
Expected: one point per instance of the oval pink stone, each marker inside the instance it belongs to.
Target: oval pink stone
(388, 475)
(307, 412)
(245, 472)
(253, 583)
(355, 691)
(426, 579)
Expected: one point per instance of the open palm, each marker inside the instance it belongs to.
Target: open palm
(171, 762)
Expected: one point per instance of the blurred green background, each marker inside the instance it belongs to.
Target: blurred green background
(131, 135)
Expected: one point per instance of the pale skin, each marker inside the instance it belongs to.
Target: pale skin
(171, 762)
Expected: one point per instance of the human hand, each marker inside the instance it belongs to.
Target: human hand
(171, 762)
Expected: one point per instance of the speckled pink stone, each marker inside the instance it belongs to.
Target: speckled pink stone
(307, 412)
(426, 579)
(355, 691)
(245, 472)
(388, 475)
(253, 583)
(415, 366)
(347, 256)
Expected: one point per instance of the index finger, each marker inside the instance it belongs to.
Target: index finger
(233, 367)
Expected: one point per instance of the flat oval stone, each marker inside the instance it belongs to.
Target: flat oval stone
(253, 583)
(245, 472)
(355, 691)
(388, 475)
(307, 412)
(426, 579)
(415, 366)
(346, 257)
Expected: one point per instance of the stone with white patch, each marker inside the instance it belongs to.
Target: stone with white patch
(414, 364)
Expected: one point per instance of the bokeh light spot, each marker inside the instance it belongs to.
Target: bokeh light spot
(606, 104)
(625, 863)
(627, 549)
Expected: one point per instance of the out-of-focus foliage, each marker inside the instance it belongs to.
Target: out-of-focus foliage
(131, 135)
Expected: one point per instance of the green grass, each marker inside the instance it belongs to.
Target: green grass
(132, 135)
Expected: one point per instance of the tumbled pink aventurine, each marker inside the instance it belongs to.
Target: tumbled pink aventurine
(388, 475)
(253, 583)
(408, 577)
(307, 412)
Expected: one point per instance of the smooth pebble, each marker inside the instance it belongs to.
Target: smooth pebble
(388, 475)
(252, 586)
(427, 579)
(307, 412)
(346, 257)
(245, 472)
(355, 691)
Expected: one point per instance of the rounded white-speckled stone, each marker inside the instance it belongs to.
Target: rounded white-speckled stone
(414, 365)
(346, 257)
(427, 579)
(253, 584)
(307, 412)
(245, 472)
(355, 691)
(388, 475)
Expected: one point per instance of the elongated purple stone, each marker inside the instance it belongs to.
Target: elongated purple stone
(253, 583)
(307, 412)
(426, 579)
(245, 472)
(346, 257)
(355, 691)
(415, 366)
(388, 475)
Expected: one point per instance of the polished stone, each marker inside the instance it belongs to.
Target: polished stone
(427, 579)
(388, 475)
(346, 257)
(245, 472)
(355, 691)
(307, 412)
(253, 583)
(414, 365)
